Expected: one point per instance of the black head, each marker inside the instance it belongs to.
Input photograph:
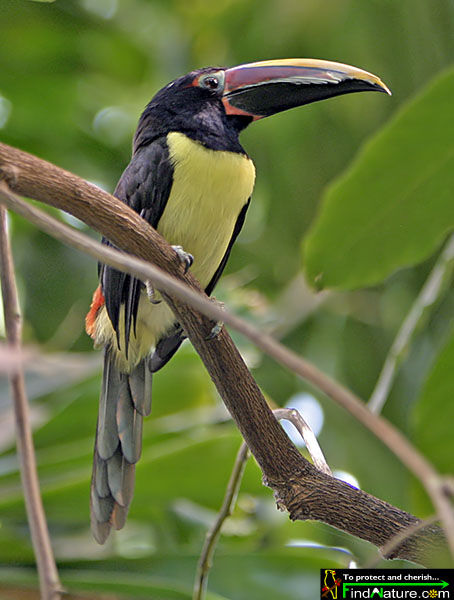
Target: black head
(213, 105)
(193, 105)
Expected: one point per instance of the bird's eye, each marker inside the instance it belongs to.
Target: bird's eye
(213, 81)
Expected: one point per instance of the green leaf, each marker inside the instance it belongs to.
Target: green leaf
(434, 413)
(393, 206)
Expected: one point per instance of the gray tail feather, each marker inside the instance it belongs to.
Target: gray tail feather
(125, 399)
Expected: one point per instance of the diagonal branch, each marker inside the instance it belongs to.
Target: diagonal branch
(47, 570)
(302, 489)
(427, 297)
(146, 271)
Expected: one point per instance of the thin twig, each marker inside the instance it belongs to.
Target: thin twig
(10, 359)
(312, 445)
(231, 493)
(428, 296)
(48, 576)
(125, 262)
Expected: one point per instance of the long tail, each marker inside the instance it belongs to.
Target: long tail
(125, 399)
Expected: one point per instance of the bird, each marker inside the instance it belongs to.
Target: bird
(191, 179)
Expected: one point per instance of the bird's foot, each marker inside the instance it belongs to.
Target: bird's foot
(151, 293)
(184, 257)
(217, 328)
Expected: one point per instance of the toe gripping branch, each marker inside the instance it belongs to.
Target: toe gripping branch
(216, 330)
(184, 257)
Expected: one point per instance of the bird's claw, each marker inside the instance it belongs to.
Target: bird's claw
(184, 257)
(151, 293)
(217, 328)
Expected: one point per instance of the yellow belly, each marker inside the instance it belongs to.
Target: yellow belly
(208, 192)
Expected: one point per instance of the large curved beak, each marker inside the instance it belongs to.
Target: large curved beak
(264, 88)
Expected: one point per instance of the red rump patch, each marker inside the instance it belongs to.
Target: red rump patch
(90, 320)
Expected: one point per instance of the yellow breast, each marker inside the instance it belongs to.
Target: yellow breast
(210, 188)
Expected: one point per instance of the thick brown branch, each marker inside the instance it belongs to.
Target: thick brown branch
(144, 270)
(298, 486)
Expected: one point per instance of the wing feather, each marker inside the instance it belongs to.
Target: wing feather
(144, 186)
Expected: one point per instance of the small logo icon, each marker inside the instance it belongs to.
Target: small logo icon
(330, 584)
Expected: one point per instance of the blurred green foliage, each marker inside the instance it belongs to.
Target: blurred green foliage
(400, 186)
(74, 77)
